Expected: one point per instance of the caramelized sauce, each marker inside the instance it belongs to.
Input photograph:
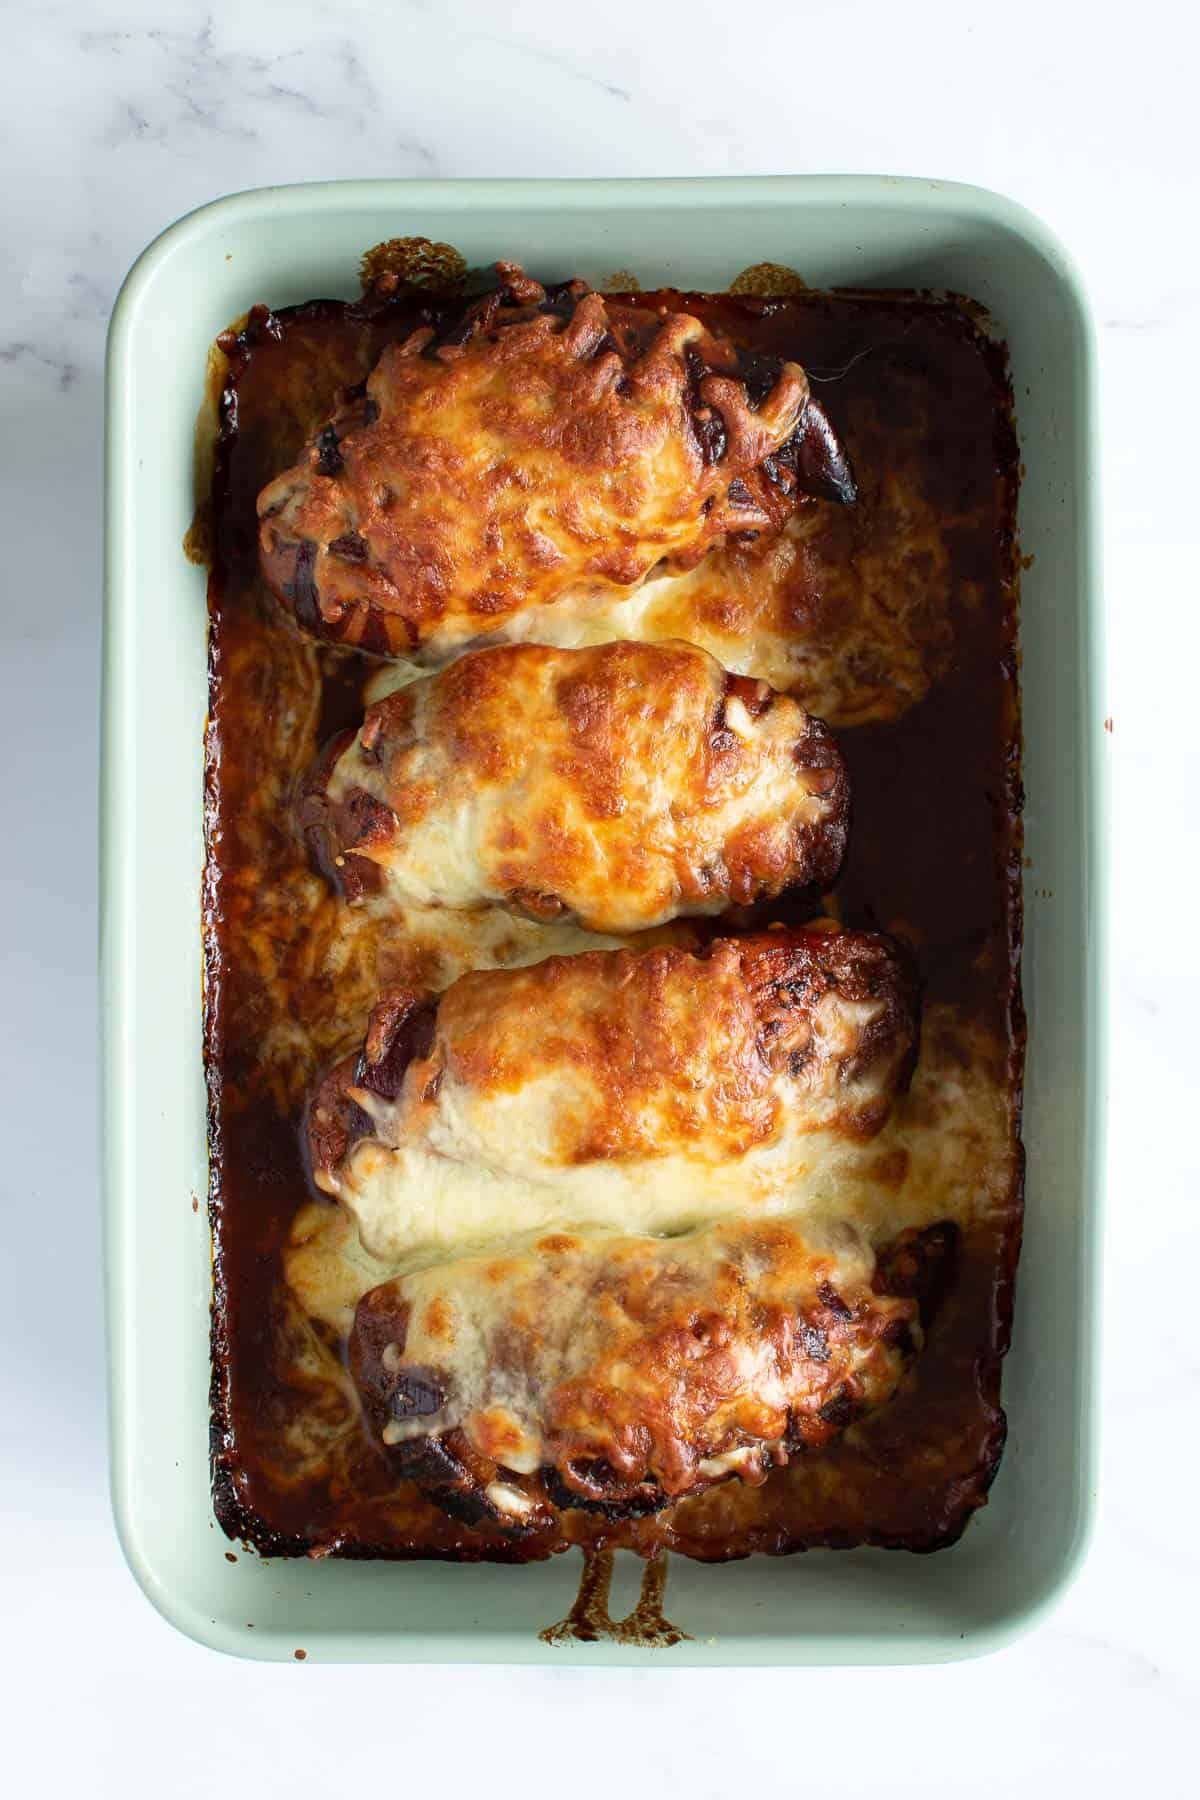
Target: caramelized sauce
(934, 857)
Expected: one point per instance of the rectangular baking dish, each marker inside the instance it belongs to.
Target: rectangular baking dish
(285, 245)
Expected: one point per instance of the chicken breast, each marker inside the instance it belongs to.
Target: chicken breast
(645, 1091)
(620, 1373)
(619, 786)
(551, 444)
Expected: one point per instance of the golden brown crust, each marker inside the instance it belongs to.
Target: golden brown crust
(552, 441)
(622, 1372)
(687, 1048)
(622, 785)
(854, 610)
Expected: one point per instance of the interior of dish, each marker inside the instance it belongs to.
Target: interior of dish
(893, 621)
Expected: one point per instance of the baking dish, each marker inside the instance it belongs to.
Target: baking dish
(286, 245)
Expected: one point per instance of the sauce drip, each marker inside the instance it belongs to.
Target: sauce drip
(589, 1618)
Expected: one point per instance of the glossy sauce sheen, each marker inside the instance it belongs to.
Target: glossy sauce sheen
(934, 856)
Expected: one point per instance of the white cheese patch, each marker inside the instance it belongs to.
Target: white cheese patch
(487, 1163)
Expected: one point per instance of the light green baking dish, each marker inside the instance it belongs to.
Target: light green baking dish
(288, 244)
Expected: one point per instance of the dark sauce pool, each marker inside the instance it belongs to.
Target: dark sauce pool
(935, 856)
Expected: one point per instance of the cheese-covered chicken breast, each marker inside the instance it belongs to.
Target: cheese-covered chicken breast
(642, 1090)
(618, 1372)
(620, 785)
(551, 443)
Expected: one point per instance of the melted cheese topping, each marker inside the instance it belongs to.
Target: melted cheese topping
(537, 1352)
(852, 610)
(478, 478)
(319, 964)
(661, 1358)
(648, 1091)
(327, 1269)
(624, 784)
(945, 1153)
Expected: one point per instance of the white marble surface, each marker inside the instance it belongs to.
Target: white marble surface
(119, 117)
